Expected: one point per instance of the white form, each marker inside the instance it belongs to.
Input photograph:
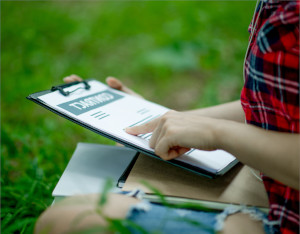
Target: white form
(111, 111)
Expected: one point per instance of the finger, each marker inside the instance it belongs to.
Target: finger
(164, 150)
(144, 128)
(160, 130)
(72, 78)
(128, 90)
(183, 150)
(114, 83)
(172, 153)
(176, 151)
(155, 135)
(117, 84)
(167, 149)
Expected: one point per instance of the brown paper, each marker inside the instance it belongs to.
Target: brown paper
(238, 186)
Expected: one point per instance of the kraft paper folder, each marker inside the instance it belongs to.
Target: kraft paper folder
(108, 112)
(238, 186)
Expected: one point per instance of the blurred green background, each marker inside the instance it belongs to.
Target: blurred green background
(180, 54)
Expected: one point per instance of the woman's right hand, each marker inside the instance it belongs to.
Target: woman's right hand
(111, 82)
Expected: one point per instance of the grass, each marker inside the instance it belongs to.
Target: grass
(180, 54)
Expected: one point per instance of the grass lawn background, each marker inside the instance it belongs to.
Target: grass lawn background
(180, 54)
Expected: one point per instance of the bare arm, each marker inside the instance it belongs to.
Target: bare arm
(230, 111)
(274, 153)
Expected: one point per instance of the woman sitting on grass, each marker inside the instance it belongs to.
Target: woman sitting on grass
(268, 142)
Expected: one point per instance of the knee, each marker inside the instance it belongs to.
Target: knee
(80, 213)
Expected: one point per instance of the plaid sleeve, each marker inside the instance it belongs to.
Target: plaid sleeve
(270, 96)
(281, 30)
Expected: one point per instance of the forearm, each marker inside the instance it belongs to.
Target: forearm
(276, 154)
(229, 111)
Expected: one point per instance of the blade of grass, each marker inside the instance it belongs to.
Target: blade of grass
(106, 188)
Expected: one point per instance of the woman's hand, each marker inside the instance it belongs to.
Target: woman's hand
(175, 133)
(111, 81)
(72, 78)
(276, 154)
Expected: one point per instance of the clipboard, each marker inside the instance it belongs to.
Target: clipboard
(86, 89)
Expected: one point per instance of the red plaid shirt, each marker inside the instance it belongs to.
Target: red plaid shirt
(270, 97)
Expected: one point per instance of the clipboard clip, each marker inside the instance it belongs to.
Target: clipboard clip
(61, 88)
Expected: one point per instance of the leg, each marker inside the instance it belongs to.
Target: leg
(242, 223)
(79, 213)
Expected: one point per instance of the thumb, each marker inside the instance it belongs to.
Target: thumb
(114, 83)
(117, 84)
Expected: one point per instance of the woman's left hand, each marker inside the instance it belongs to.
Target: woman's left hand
(175, 133)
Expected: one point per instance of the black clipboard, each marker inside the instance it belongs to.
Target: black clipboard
(207, 172)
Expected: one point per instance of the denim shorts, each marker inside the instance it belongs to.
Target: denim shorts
(156, 218)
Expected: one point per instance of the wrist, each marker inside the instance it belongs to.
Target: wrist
(223, 134)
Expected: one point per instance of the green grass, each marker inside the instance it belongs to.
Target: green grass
(180, 54)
